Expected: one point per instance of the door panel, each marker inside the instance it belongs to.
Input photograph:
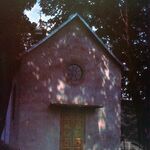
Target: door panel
(72, 129)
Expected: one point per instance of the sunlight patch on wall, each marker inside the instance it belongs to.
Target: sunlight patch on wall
(36, 75)
(104, 69)
(101, 119)
(61, 96)
(61, 86)
(79, 100)
(106, 65)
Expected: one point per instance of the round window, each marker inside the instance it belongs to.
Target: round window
(74, 73)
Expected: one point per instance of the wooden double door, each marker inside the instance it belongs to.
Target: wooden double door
(72, 129)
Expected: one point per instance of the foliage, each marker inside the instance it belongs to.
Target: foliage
(121, 24)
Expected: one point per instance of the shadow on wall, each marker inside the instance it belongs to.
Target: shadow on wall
(4, 146)
(98, 134)
(57, 87)
(43, 80)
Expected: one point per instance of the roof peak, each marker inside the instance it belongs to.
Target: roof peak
(70, 19)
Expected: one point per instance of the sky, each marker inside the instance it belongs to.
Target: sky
(36, 13)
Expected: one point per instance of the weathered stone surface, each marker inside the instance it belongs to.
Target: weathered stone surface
(4, 146)
(43, 81)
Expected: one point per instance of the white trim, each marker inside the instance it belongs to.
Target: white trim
(6, 131)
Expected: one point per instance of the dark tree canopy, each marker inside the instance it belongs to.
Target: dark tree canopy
(123, 26)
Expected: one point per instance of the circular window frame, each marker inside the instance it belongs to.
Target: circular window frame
(68, 79)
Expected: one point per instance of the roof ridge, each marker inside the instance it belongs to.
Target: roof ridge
(70, 19)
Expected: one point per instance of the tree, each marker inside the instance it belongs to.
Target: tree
(122, 25)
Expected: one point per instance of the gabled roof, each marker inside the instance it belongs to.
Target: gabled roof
(75, 17)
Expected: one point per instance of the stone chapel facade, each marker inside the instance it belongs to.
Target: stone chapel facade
(68, 93)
